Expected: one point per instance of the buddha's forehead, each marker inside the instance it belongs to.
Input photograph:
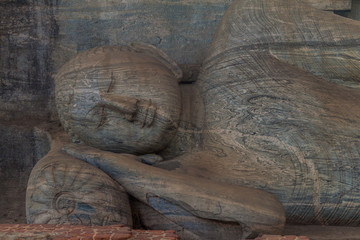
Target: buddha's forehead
(143, 83)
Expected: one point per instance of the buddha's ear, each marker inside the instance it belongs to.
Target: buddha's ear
(159, 55)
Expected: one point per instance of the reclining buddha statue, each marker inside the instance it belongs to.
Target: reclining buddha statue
(268, 132)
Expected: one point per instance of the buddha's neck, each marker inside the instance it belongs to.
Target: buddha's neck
(189, 134)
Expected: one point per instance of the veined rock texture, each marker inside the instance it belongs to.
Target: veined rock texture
(280, 95)
(65, 190)
(127, 100)
(280, 87)
(27, 35)
(330, 4)
(38, 37)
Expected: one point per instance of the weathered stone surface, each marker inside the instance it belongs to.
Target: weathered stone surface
(330, 4)
(278, 112)
(20, 148)
(355, 10)
(274, 126)
(62, 232)
(183, 29)
(189, 135)
(66, 232)
(161, 214)
(27, 34)
(324, 232)
(254, 210)
(38, 37)
(279, 237)
(153, 235)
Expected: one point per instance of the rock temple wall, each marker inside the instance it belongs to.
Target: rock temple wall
(38, 36)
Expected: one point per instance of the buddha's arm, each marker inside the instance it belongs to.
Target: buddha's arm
(316, 41)
(257, 211)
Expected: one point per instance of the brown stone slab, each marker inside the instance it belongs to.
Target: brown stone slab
(324, 232)
(280, 237)
(77, 232)
(331, 4)
(48, 231)
(154, 235)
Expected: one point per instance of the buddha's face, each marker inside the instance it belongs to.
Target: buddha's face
(119, 100)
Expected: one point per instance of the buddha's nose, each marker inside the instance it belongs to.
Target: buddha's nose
(120, 104)
(141, 111)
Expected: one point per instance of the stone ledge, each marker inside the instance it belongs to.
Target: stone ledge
(279, 237)
(319, 232)
(77, 232)
(331, 4)
(153, 235)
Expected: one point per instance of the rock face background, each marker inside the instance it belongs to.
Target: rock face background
(38, 36)
(20, 148)
(27, 34)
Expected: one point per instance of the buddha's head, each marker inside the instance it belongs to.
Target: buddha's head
(121, 99)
